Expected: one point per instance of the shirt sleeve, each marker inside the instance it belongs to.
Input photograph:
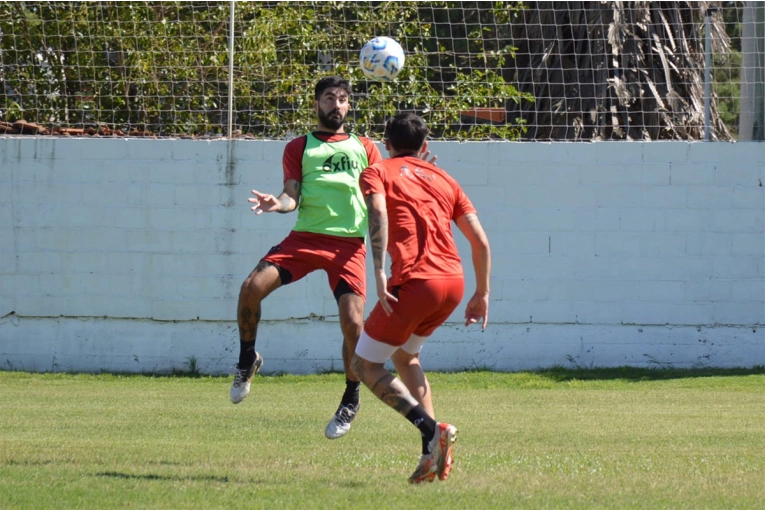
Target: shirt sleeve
(462, 204)
(292, 159)
(370, 180)
(373, 153)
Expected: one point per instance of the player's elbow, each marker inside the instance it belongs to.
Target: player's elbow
(479, 241)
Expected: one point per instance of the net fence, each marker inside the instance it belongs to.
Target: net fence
(474, 70)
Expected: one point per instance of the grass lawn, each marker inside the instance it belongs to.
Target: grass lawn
(619, 438)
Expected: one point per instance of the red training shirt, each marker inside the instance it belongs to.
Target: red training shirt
(422, 201)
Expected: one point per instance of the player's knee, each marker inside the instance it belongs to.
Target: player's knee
(351, 325)
(352, 332)
(401, 358)
(261, 282)
(251, 289)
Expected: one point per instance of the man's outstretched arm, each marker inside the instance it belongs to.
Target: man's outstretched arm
(284, 203)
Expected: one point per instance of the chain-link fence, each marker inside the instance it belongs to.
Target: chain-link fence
(475, 70)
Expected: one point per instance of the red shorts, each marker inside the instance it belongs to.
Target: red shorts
(343, 258)
(422, 306)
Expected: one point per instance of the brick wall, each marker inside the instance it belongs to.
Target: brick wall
(127, 255)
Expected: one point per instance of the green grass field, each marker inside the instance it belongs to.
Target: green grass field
(621, 438)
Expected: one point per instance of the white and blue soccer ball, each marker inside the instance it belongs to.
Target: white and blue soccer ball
(382, 58)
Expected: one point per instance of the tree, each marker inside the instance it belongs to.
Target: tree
(752, 123)
(615, 70)
(558, 70)
(163, 66)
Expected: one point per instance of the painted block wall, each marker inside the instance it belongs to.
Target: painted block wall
(127, 255)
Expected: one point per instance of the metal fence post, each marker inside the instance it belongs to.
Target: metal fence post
(231, 71)
(707, 73)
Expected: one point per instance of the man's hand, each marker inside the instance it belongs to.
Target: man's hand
(477, 308)
(425, 155)
(264, 202)
(381, 279)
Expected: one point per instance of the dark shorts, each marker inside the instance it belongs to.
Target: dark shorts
(342, 258)
(422, 306)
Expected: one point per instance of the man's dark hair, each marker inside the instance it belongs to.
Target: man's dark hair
(329, 82)
(406, 132)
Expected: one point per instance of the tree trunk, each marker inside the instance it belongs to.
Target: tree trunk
(752, 117)
(615, 70)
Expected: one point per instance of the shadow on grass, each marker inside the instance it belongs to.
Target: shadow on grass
(196, 478)
(562, 374)
(556, 373)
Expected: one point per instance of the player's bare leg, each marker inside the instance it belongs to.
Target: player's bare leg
(261, 282)
(411, 374)
(351, 310)
(438, 438)
(384, 385)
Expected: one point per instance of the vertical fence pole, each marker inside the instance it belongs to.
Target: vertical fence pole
(231, 71)
(707, 74)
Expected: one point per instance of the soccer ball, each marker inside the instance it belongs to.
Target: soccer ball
(382, 59)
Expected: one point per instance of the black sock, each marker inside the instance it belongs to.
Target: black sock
(246, 354)
(351, 395)
(425, 423)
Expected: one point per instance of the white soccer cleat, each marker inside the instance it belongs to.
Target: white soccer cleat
(437, 463)
(242, 378)
(426, 470)
(340, 424)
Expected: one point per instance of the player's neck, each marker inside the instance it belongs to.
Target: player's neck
(324, 129)
(403, 154)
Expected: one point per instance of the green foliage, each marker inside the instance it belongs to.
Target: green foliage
(727, 87)
(726, 79)
(163, 66)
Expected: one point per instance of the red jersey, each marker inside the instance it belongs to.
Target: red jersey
(422, 200)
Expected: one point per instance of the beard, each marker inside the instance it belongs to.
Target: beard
(331, 122)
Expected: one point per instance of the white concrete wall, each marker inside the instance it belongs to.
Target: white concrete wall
(127, 255)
